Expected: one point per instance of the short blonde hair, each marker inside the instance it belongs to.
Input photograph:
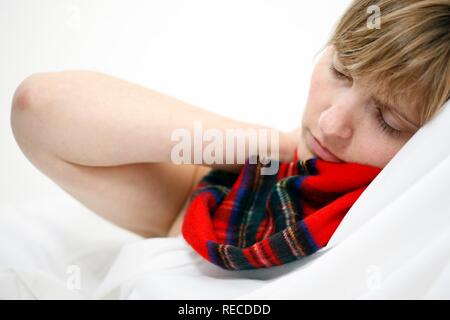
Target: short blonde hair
(408, 57)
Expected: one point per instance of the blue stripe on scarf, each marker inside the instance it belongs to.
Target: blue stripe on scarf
(307, 235)
(235, 211)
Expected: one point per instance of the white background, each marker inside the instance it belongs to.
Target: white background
(250, 60)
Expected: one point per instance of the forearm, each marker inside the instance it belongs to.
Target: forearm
(94, 119)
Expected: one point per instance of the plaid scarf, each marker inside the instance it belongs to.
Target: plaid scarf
(250, 221)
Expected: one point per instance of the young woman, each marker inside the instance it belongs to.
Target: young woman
(107, 142)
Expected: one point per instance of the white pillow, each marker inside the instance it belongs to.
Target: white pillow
(394, 243)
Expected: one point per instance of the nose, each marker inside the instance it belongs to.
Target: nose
(337, 121)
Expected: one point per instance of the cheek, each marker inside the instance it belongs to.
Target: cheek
(389, 153)
(377, 153)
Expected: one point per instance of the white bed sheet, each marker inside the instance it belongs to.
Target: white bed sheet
(394, 243)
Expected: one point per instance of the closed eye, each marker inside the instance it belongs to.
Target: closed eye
(385, 127)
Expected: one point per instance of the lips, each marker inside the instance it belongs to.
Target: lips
(322, 152)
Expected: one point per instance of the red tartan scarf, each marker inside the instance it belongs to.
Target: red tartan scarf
(250, 221)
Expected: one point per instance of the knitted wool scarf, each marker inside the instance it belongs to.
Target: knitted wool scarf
(250, 221)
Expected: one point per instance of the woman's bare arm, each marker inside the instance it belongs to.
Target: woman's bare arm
(98, 120)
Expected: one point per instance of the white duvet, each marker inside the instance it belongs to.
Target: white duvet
(394, 243)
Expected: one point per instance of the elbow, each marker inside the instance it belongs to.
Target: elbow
(25, 93)
(42, 89)
(32, 91)
(40, 100)
(28, 97)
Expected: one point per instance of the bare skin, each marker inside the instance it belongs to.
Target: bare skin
(107, 142)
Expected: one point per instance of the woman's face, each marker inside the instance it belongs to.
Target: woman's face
(344, 116)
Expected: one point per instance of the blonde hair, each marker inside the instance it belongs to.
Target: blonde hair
(408, 57)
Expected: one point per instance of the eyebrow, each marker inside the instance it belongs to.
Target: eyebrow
(389, 107)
